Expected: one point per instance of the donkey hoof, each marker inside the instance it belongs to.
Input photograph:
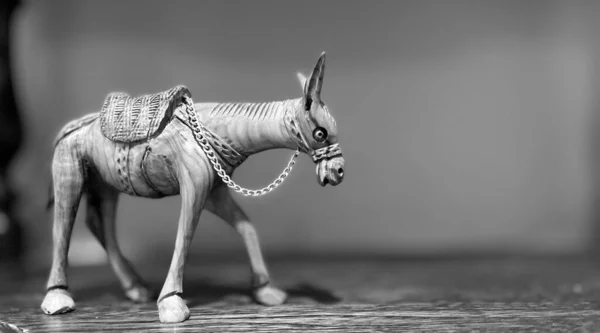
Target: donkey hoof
(57, 301)
(269, 295)
(139, 293)
(173, 310)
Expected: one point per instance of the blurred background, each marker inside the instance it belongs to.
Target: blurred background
(468, 126)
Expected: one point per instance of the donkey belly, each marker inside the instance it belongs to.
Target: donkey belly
(130, 168)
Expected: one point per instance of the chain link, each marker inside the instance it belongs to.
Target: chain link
(210, 153)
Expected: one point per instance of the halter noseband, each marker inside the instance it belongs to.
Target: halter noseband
(328, 152)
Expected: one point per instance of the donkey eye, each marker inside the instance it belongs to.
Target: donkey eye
(320, 134)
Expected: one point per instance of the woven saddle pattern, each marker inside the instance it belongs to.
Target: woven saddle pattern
(124, 118)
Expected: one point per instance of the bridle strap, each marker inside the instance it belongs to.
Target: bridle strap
(317, 155)
(296, 133)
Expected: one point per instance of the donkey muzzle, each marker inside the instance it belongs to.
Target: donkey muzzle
(330, 171)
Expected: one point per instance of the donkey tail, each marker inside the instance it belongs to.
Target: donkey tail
(50, 202)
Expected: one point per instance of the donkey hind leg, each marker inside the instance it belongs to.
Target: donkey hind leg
(100, 219)
(171, 307)
(222, 204)
(68, 178)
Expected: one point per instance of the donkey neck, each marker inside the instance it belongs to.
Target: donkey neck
(251, 128)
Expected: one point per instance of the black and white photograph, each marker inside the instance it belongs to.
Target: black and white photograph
(299, 166)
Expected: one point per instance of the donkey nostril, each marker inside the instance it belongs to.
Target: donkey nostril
(340, 172)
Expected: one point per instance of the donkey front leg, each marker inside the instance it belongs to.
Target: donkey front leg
(222, 204)
(68, 178)
(171, 307)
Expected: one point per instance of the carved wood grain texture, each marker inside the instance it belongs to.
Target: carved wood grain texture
(550, 295)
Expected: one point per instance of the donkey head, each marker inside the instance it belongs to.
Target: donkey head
(316, 130)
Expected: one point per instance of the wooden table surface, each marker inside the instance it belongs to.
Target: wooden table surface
(493, 295)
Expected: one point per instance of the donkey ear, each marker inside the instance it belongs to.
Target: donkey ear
(321, 73)
(312, 90)
(302, 80)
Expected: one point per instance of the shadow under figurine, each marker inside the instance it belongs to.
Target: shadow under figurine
(162, 145)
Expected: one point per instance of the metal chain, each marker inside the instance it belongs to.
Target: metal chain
(210, 153)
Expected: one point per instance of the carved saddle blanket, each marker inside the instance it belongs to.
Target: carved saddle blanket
(124, 118)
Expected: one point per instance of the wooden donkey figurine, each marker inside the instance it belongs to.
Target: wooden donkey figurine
(163, 144)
